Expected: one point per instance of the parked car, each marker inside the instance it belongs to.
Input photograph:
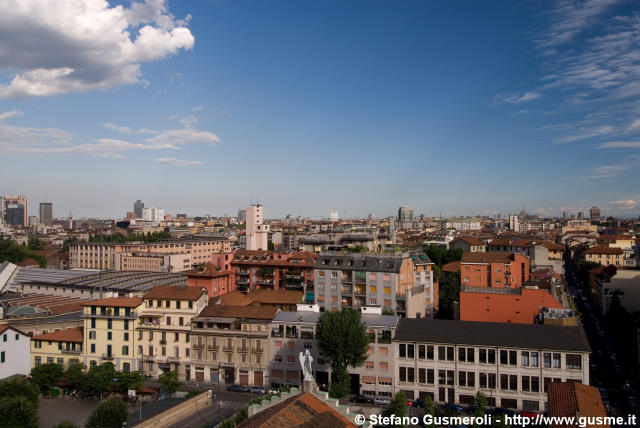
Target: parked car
(258, 390)
(452, 406)
(381, 401)
(237, 388)
(418, 404)
(409, 403)
(361, 399)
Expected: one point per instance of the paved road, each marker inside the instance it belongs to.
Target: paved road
(224, 405)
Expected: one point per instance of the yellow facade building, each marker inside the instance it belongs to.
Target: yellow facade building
(62, 347)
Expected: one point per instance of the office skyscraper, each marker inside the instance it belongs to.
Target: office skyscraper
(138, 207)
(20, 204)
(46, 213)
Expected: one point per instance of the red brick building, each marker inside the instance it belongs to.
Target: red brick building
(216, 281)
(493, 269)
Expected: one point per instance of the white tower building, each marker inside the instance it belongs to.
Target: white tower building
(257, 233)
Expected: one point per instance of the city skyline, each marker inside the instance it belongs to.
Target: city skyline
(455, 108)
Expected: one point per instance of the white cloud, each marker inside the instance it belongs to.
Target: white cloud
(626, 204)
(117, 128)
(584, 134)
(620, 145)
(516, 98)
(63, 46)
(634, 126)
(184, 136)
(197, 108)
(177, 162)
(10, 114)
(570, 18)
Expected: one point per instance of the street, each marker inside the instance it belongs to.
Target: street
(225, 404)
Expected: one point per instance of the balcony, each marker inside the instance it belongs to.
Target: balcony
(213, 347)
(242, 281)
(265, 282)
(347, 291)
(360, 291)
(242, 350)
(306, 335)
(227, 348)
(198, 346)
(175, 360)
(108, 356)
(276, 333)
(242, 272)
(257, 351)
(72, 351)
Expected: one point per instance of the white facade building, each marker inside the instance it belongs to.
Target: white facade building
(153, 214)
(257, 232)
(15, 352)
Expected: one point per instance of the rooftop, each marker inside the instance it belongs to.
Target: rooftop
(75, 334)
(572, 399)
(488, 257)
(535, 336)
(121, 302)
(174, 292)
(242, 312)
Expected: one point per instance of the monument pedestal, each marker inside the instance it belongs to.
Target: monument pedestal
(309, 386)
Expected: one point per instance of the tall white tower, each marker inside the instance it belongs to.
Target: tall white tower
(257, 233)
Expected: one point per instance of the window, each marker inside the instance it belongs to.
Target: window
(421, 354)
(411, 374)
(37, 361)
(525, 358)
(108, 335)
(430, 376)
(368, 365)
(168, 320)
(387, 290)
(2, 357)
(384, 366)
(442, 377)
(126, 324)
(4, 337)
(451, 379)
(422, 375)
(125, 350)
(373, 289)
(547, 360)
(534, 359)
(513, 358)
(450, 353)
(93, 323)
(126, 337)
(504, 357)
(93, 348)
(556, 361)
(410, 351)
(403, 350)
(109, 323)
(177, 304)
(573, 361)
(441, 353)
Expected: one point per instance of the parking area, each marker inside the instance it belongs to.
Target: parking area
(53, 411)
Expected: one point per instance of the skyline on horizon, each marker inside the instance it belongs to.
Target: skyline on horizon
(459, 108)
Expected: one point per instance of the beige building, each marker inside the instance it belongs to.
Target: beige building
(164, 327)
(90, 255)
(62, 347)
(110, 332)
(469, 244)
(605, 255)
(230, 344)
(153, 262)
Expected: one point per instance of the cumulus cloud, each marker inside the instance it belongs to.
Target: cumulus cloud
(177, 162)
(516, 98)
(63, 46)
(626, 204)
(10, 114)
(634, 126)
(117, 128)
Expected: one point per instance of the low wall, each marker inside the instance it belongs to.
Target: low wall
(177, 412)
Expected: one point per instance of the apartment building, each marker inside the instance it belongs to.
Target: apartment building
(110, 332)
(230, 344)
(471, 244)
(62, 347)
(512, 364)
(254, 269)
(14, 352)
(114, 256)
(209, 276)
(389, 280)
(164, 328)
(295, 332)
(605, 255)
(494, 269)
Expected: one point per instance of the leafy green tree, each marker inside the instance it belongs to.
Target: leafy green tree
(99, 379)
(437, 273)
(75, 375)
(169, 382)
(18, 412)
(480, 401)
(343, 342)
(20, 387)
(45, 375)
(111, 413)
(429, 408)
(397, 406)
(448, 294)
(68, 242)
(129, 380)
(66, 424)
(35, 244)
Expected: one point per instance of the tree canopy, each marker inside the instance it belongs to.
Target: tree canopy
(169, 382)
(45, 375)
(397, 406)
(343, 341)
(18, 412)
(111, 413)
(20, 387)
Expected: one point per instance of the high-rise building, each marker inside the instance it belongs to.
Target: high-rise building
(242, 216)
(19, 204)
(46, 213)
(257, 232)
(580, 214)
(153, 214)
(565, 215)
(333, 215)
(514, 222)
(138, 206)
(594, 212)
(405, 214)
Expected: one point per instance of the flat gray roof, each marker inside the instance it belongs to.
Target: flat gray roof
(528, 336)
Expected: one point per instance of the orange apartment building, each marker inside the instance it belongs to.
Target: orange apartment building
(217, 282)
(258, 269)
(493, 269)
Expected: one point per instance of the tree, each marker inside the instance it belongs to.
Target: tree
(35, 244)
(129, 380)
(44, 376)
(480, 401)
(169, 382)
(75, 376)
(343, 341)
(20, 388)
(100, 378)
(18, 412)
(111, 413)
(429, 408)
(397, 407)
(448, 294)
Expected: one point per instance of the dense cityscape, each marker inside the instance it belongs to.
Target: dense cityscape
(319, 214)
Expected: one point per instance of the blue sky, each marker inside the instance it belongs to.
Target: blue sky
(450, 107)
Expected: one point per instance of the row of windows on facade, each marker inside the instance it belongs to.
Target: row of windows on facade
(213, 356)
(488, 356)
(487, 380)
(358, 275)
(167, 304)
(115, 311)
(60, 361)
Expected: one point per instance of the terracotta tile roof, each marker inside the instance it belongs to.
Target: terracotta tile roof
(552, 246)
(5, 327)
(28, 262)
(233, 298)
(247, 312)
(122, 302)
(207, 270)
(572, 399)
(303, 410)
(275, 296)
(505, 308)
(488, 257)
(66, 308)
(75, 334)
(521, 243)
(175, 292)
(500, 241)
(602, 249)
(469, 240)
(451, 267)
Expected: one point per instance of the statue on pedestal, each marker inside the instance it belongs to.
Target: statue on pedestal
(305, 362)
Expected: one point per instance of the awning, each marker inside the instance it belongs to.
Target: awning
(368, 379)
(385, 380)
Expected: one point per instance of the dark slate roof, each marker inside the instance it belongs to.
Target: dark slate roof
(360, 262)
(528, 336)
